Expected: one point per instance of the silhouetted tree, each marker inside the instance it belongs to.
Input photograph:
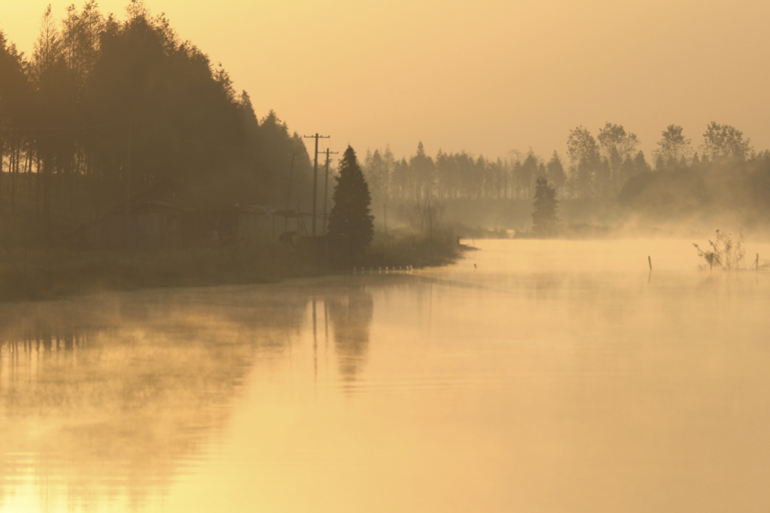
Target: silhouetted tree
(544, 215)
(673, 144)
(641, 163)
(555, 171)
(724, 142)
(14, 109)
(615, 144)
(350, 224)
(585, 159)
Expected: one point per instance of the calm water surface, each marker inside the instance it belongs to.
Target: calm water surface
(553, 376)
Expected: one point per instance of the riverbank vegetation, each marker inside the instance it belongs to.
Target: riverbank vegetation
(106, 113)
(39, 275)
(128, 159)
(603, 181)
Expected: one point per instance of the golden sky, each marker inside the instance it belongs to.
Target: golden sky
(486, 76)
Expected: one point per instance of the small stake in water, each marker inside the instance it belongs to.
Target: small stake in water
(649, 261)
(756, 264)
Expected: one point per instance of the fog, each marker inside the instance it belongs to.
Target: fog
(404, 257)
(547, 374)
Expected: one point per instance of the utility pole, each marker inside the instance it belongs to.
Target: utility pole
(315, 173)
(326, 189)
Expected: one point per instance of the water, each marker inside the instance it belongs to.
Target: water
(554, 376)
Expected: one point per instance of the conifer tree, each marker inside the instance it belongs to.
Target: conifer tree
(351, 225)
(544, 216)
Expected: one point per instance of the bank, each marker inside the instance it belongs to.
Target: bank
(61, 272)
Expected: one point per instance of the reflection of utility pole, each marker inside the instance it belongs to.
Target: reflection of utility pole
(326, 189)
(315, 172)
(315, 346)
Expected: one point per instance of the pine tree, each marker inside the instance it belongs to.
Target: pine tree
(544, 217)
(351, 226)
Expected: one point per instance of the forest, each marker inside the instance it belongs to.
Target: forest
(107, 112)
(602, 179)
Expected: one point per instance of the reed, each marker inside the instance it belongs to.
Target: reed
(723, 253)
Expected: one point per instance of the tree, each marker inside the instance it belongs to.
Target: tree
(614, 136)
(615, 145)
(14, 106)
(585, 159)
(423, 170)
(673, 145)
(377, 174)
(724, 142)
(640, 163)
(351, 226)
(555, 171)
(527, 172)
(544, 216)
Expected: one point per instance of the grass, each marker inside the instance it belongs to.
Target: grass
(723, 252)
(57, 273)
(66, 273)
(413, 250)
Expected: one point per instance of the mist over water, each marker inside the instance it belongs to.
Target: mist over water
(540, 376)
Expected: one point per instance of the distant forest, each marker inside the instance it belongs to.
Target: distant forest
(105, 111)
(600, 177)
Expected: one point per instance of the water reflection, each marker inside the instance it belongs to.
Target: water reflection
(113, 397)
(350, 314)
(553, 377)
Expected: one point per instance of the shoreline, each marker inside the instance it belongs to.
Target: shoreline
(61, 274)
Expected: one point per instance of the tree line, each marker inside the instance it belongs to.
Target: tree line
(106, 111)
(724, 171)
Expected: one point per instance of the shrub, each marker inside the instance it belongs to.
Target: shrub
(725, 252)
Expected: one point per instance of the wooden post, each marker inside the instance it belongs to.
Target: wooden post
(649, 261)
(756, 264)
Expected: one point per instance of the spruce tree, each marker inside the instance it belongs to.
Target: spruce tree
(544, 217)
(351, 225)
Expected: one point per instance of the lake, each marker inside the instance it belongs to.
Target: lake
(532, 376)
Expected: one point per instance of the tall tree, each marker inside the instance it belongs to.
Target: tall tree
(555, 171)
(725, 142)
(14, 106)
(615, 145)
(351, 226)
(673, 144)
(528, 172)
(585, 159)
(544, 215)
(423, 171)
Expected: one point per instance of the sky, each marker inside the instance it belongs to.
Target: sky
(486, 77)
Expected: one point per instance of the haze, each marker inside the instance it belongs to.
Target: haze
(485, 76)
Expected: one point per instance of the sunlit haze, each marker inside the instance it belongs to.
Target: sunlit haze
(485, 76)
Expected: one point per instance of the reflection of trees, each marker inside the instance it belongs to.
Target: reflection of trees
(117, 395)
(351, 317)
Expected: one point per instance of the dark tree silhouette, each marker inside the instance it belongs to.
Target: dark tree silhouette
(725, 142)
(351, 226)
(544, 217)
(555, 171)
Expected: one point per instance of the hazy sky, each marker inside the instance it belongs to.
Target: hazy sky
(487, 76)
